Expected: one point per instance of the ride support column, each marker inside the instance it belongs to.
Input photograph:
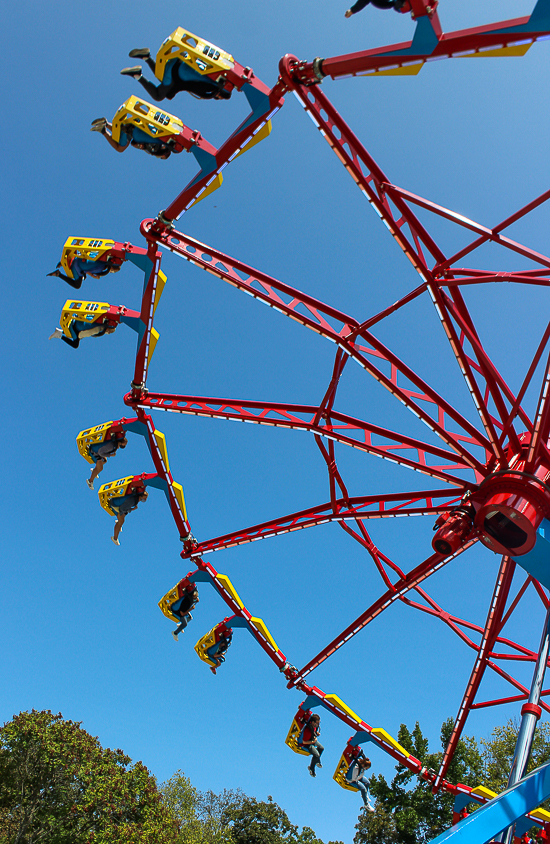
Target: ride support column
(530, 714)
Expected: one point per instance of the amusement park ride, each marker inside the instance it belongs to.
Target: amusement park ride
(491, 480)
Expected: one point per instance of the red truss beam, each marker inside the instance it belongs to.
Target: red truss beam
(382, 506)
(146, 316)
(230, 149)
(490, 633)
(332, 425)
(321, 318)
(428, 44)
(396, 215)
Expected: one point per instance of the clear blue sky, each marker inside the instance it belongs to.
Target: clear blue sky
(80, 630)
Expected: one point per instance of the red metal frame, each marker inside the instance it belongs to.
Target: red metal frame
(458, 462)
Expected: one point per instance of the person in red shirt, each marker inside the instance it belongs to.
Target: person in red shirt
(311, 744)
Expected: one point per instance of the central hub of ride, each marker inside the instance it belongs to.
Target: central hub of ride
(504, 513)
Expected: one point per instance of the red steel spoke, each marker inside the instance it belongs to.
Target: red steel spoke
(492, 628)
(541, 427)
(405, 584)
(382, 506)
(334, 426)
(263, 287)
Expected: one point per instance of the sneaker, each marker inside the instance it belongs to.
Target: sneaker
(132, 71)
(369, 808)
(98, 125)
(55, 273)
(175, 635)
(90, 483)
(57, 333)
(319, 765)
(115, 540)
(213, 670)
(312, 772)
(139, 53)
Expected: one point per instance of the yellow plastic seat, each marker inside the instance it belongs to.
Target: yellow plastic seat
(114, 489)
(85, 311)
(295, 730)
(199, 54)
(88, 248)
(91, 436)
(149, 118)
(342, 768)
(204, 643)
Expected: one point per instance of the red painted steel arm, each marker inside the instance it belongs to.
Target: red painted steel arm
(490, 633)
(541, 426)
(321, 318)
(401, 587)
(333, 426)
(381, 506)
(146, 316)
(221, 157)
(428, 44)
(163, 472)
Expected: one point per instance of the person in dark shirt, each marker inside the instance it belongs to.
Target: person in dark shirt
(380, 4)
(133, 136)
(182, 609)
(79, 329)
(217, 652)
(122, 505)
(309, 742)
(80, 267)
(99, 452)
(178, 76)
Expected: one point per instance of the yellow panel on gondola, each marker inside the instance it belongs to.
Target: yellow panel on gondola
(91, 436)
(153, 339)
(166, 602)
(84, 311)
(199, 54)
(226, 584)
(382, 734)
(161, 281)
(113, 490)
(216, 182)
(292, 738)
(203, 644)
(340, 773)
(339, 704)
(149, 118)
(514, 50)
(178, 492)
(88, 248)
(259, 625)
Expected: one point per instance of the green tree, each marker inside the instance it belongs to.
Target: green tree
(406, 809)
(253, 821)
(498, 752)
(59, 785)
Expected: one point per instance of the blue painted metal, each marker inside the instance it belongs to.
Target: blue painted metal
(537, 562)
(496, 816)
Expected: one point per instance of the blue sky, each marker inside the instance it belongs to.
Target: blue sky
(80, 630)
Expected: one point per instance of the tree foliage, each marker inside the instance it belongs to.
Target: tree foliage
(407, 812)
(59, 785)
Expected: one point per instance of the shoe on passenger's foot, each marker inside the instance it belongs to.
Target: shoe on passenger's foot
(319, 765)
(312, 772)
(369, 808)
(213, 670)
(57, 333)
(98, 125)
(175, 635)
(115, 540)
(90, 483)
(139, 53)
(132, 71)
(55, 273)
